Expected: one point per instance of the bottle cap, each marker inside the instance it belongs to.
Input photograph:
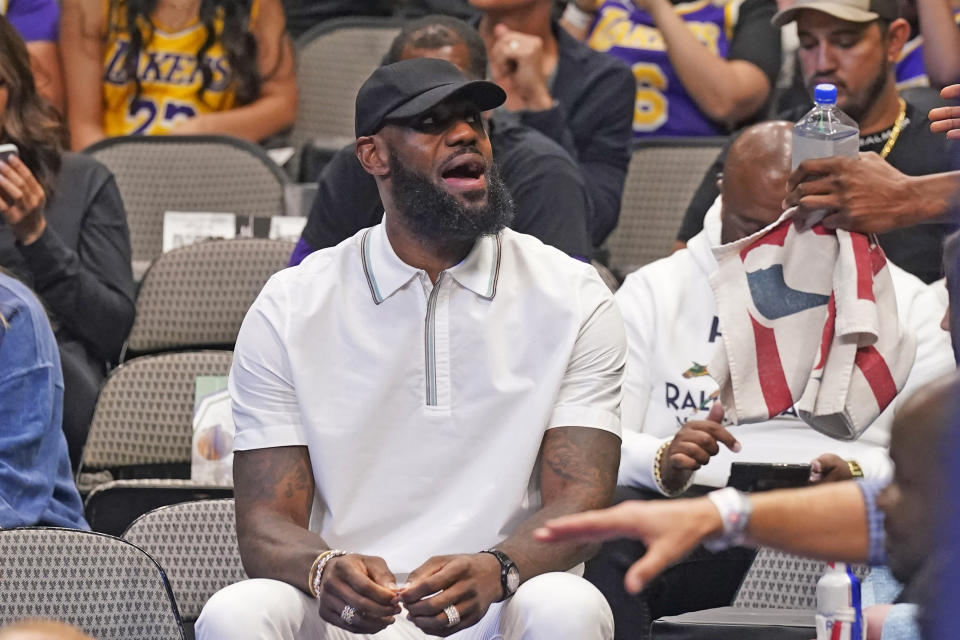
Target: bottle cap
(825, 94)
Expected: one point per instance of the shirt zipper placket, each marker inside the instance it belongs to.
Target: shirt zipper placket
(430, 343)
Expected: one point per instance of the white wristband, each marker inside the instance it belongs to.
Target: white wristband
(735, 509)
(577, 16)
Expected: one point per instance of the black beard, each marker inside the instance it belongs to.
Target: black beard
(857, 109)
(435, 215)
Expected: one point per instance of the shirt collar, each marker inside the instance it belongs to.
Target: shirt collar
(386, 273)
(480, 270)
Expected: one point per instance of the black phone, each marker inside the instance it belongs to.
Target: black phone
(764, 476)
(7, 150)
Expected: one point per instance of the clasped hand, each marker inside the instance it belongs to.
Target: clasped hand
(516, 64)
(21, 200)
(470, 582)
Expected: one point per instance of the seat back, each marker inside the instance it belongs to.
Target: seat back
(108, 587)
(187, 173)
(662, 177)
(333, 60)
(780, 580)
(197, 296)
(196, 544)
(111, 507)
(144, 415)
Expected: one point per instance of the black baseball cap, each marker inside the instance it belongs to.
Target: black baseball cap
(408, 88)
(849, 10)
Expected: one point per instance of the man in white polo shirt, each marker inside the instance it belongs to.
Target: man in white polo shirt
(412, 403)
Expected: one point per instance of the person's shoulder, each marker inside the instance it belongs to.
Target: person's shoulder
(322, 267)
(20, 308)
(516, 142)
(906, 286)
(663, 275)
(82, 167)
(544, 262)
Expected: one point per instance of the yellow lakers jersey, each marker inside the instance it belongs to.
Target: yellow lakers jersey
(170, 76)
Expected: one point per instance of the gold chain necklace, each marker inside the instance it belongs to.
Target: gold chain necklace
(895, 131)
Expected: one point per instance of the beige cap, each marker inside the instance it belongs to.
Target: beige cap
(849, 10)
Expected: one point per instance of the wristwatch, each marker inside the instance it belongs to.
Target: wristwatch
(509, 574)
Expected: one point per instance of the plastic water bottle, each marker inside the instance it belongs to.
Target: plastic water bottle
(825, 131)
(839, 613)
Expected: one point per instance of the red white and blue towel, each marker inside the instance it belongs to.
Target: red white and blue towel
(809, 318)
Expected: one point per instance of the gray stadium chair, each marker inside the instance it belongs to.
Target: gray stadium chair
(661, 180)
(196, 544)
(197, 296)
(112, 506)
(783, 581)
(333, 60)
(142, 426)
(187, 173)
(106, 586)
(778, 598)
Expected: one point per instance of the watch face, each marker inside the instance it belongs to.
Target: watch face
(513, 579)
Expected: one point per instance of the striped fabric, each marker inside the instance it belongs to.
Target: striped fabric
(808, 318)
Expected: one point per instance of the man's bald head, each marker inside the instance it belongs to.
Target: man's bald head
(42, 630)
(755, 178)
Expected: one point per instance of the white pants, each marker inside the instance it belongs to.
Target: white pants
(552, 606)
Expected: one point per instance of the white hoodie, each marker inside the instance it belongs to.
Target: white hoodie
(672, 330)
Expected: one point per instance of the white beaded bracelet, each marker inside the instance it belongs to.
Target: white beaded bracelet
(319, 565)
(735, 509)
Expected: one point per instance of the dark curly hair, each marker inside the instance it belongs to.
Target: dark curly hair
(28, 121)
(237, 40)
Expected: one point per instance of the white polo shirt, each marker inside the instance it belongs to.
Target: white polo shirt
(424, 406)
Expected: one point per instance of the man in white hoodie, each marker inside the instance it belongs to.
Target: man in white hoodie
(672, 426)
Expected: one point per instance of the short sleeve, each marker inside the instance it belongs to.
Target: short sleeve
(590, 393)
(265, 407)
(35, 20)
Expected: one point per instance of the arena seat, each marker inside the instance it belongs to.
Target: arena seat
(661, 179)
(198, 295)
(187, 173)
(778, 598)
(142, 425)
(333, 60)
(111, 507)
(196, 544)
(108, 587)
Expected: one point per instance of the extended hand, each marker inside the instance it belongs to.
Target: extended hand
(669, 528)
(469, 582)
(516, 64)
(364, 583)
(829, 468)
(864, 194)
(947, 119)
(693, 446)
(21, 200)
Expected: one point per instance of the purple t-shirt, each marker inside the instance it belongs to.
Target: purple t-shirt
(34, 20)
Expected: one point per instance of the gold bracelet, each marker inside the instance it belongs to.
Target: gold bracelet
(658, 474)
(313, 582)
(855, 470)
